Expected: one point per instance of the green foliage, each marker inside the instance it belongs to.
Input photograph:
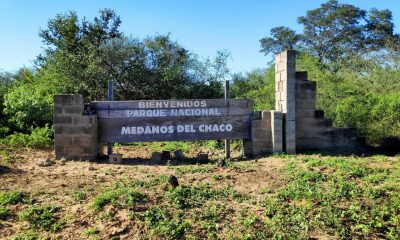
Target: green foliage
(364, 95)
(337, 202)
(186, 197)
(6, 82)
(90, 231)
(86, 54)
(43, 217)
(282, 38)
(13, 197)
(164, 224)
(80, 196)
(38, 138)
(258, 85)
(3, 213)
(120, 196)
(30, 235)
(30, 105)
(335, 32)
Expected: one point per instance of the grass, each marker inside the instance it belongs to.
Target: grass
(308, 196)
(30, 235)
(43, 217)
(90, 231)
(332, 195)
(118, 197)
(4, 213)
(13, 197)
(80, 196)
(164, 224)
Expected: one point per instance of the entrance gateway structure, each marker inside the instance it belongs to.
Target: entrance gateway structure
(294, 126)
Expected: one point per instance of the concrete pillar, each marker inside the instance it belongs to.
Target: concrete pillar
(285, 77)
(75, 134)
(261, 141)
(276, 131)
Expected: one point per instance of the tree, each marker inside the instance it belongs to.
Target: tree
(335, 32)
(282, 38)
(87, 54)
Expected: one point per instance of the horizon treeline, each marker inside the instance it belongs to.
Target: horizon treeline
(352, 53)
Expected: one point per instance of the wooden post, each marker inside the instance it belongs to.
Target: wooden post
(110, 97)
(227, 142)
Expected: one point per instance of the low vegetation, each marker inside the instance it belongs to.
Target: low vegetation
(276, 197)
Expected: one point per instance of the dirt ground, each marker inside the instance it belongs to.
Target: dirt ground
(57, 183)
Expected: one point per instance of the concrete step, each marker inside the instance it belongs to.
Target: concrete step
(323, 122)
(306, 85)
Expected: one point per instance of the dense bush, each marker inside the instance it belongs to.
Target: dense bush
(37, 138)
(258, 85)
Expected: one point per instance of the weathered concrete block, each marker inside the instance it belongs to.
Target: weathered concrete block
(276, 131)
(89, 129)
(92, 150)
(257, 115)
(261, 124)
(58, 109)
(156, 156)
(66, 129)
(74, 109)
(262, 144)
(301, 76)
(248, 148)
(84, 140)
(62, 140)
(85, 119)
(73, 150)
(306, 95)
(165, 155)
(75, 135)
(202, 157)
(290, 137)
(306, 105)
(306, 85)
(62, 119)
(115, 158)
(179, 154)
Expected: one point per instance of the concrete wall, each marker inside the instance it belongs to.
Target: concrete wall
(304, 127)
(75, 133)
(285, 70)
(314, 132)
(266, 134)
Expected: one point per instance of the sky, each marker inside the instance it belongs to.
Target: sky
(201, 26)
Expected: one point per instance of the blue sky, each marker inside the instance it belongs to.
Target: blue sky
(202, 26)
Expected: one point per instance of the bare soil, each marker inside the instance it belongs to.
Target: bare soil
(56, 184)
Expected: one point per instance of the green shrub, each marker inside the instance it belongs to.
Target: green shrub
(90, 231)
(13, 197)
(80, 195)
(29, 105)
(165, 225)
(26, 236)
(38, 138)
(43, 217)
(3, 213)
(120, 197)
(193, 196)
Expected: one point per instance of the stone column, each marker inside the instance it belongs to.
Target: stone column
(285, 76)
(75, 134)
